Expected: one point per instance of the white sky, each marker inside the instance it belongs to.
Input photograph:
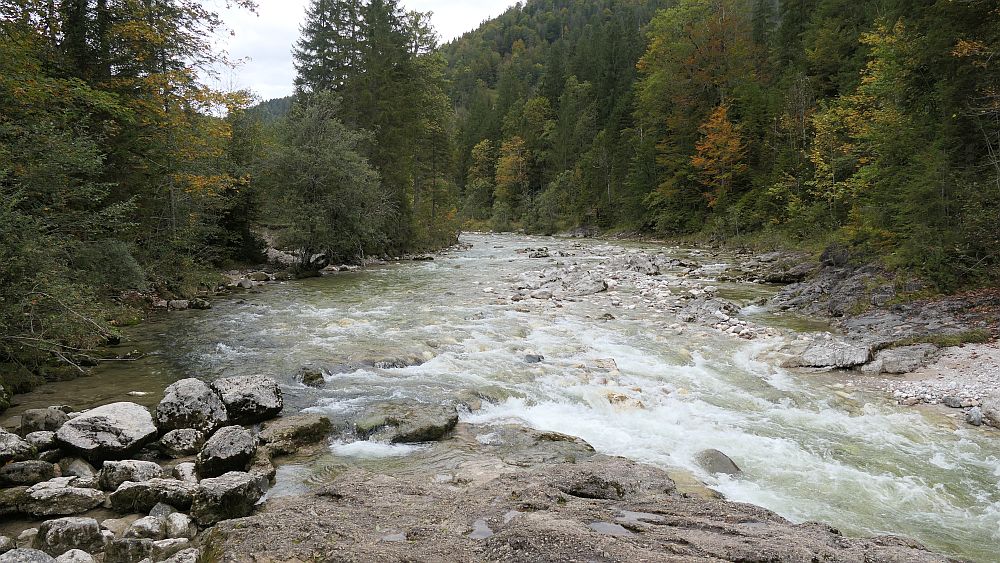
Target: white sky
(263, 41)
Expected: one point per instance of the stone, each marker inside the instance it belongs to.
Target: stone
(250, 398)
(111, 431)
(13, 448)
(162, 549)
(832, 354)
(190, 403)
(399, 423)
(11, 501)
(151, 527)
(232, 495)
(200, 304)
(717, 463)
(38, 420)
(179, 304)
(534, 358)
(58, 536)
(182, 442)
(26, 473)
(180, 525)
(75, 556)
(905, 359)
(229, 449)
(186, 472)
(262, 467)
(312, 377)
(128, 550)
(287, 434)
(6, 544)
(58, 497)
(114, 473)
(26, 555)
(162, 510)
(76, 467)
(52, 456)
(142, 497)
(952, 402)
(27, 537)
(43, 440)
(541, 294)
(990, 407)
(587, 285)
(117, 526)
(189, 555)
(974, 416)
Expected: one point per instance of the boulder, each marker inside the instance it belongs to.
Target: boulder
(905, 359)
(588, 284)
(114, 473)
(36, 420)
(250, 398)
(11, 500)
(117, 526)
(189, 555)
(232, 495)
(59, 497)
(27, 537)
(76, 467)
(111, 431)
(133, 497)
(990, 408)
(180, 525)
(26, 555)
(6, 544)
(128, 550)
(717, 463)
(974, 416)
(13, 448)
(75, 556)
(311, 376)
(287, 434)
(229, 449)
(179, 304)
(162, 549)
(182, 442)
(162, 510)
(832, 353)
(42, 440)
(56, 537)
(190, 403)
(151, 527)
(186, 472)
(29, 473)
(399, 423)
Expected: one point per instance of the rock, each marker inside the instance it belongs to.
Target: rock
(312, 377)
(142, 497)
(586, 285)
(25, 555)
(181, 526)
(6, 544)
(42, 440)
(229, 449)
(534, 358)
(117, 526)
(287, 434)
(179, 304)
(52, 456)
(259, 276)
(186, 472)
(151, 527)
(833, 354)
(974, 416)
(114, 473)
(108, 432)
(165, 548)
(191, 403)
(182, 442)
(249, 399)
(642, 264)
(399, 423)
(161, 510)
(952, 402)
(39, 420)
(990, 407)
(27, 537)
(244, 283)
(541, 294)
(58, 497)
(128, 550)
(75, 556)
(199, 304)
(905, 359)
(21, 473)
(716, 462)
(13, 448)
(56, 537)
(232, 495)
(76, 467)
(11, 501)
(190, 555)
(262, 467)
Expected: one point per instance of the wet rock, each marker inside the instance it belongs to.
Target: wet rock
(56, 537)
(249, 399)
(399, 423)
(75, 556)
(128, 550)
(114, 473)
(13, 448)
(26, 555)
(76, 467)
(833, 353)
(229, 449)
(150, 527)
(6, 544)
(58, 497)
(27, 473)
(191, 403)
(186, 472)
(232, 495)
(181, 526)
(199, 304)
(179, 304)
(38, 420)
(312, 377)
(287, 434)
(108, 432)
(162, 549)
(11, 500)
(974, 416)
(42, 440)
(614, 479)
(717, 463)
(520, 446)
(142, 497)
(182, 442)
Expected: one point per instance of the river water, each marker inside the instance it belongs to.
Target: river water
(810, 448)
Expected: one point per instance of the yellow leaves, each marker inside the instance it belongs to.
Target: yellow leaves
(720, 154)
(205, 186)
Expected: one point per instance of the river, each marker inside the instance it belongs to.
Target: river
(810, 448)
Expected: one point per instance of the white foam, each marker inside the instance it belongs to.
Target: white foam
(364, 449)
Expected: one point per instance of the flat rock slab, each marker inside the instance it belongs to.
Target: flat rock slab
(59, 497)
(13, 448)
(833, 353)
(250, 398)
(399, 423)
(284, 435)
(111, 431)
(133, 497)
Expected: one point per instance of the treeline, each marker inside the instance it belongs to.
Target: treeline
(121, 171)
(873, 123)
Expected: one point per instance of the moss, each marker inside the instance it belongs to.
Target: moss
(17, 379)
(976, 336)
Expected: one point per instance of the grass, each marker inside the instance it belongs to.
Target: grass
(975, 336)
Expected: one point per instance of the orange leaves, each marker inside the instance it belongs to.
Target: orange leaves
(720, 154)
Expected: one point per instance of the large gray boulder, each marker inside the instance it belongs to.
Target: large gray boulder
(13, 448)
(288, 433)
(833, 353)
(249, 398)
(56, 537)
(59, 497)
(75, 556)
(43, 440)
(114, 473)
(232, 495)
(229, 449)
(151, 527)
(128, 550)
(27, 473)
(165, 548)
(36, 420)
(399, 423)
(905, 359)
(26, 555)
(191, 403)
(182, 442)
(990, 408)
(132, 497)
(180, 525)
(111, 431)
(717, 463)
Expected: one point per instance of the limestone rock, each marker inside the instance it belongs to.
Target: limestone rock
(399, 423)
(165, 548)
(182, 442)
(288, 433)
(151, 527)
(717, 463)
(190, 403)
(832, 353)
(58, 536)
(26, 555)
(27, 473)
(42, 440)
(180, 525)
(250, 398)
(111, 431)
(36, 420)
(128, 550)
(232, 495)
(59, 497)
(13, 448)
(75, 556)
(229, 449)
(142, 497)
(114, 473)
(186, 472)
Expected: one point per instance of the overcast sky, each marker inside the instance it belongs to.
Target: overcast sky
(263, 41)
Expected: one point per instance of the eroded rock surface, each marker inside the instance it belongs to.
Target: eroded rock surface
(110, 431)
(191, 403)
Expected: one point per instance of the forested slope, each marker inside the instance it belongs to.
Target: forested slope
(875, 124)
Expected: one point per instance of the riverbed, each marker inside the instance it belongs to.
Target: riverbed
(617, 370)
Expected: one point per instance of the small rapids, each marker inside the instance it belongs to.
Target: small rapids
(633, 385)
